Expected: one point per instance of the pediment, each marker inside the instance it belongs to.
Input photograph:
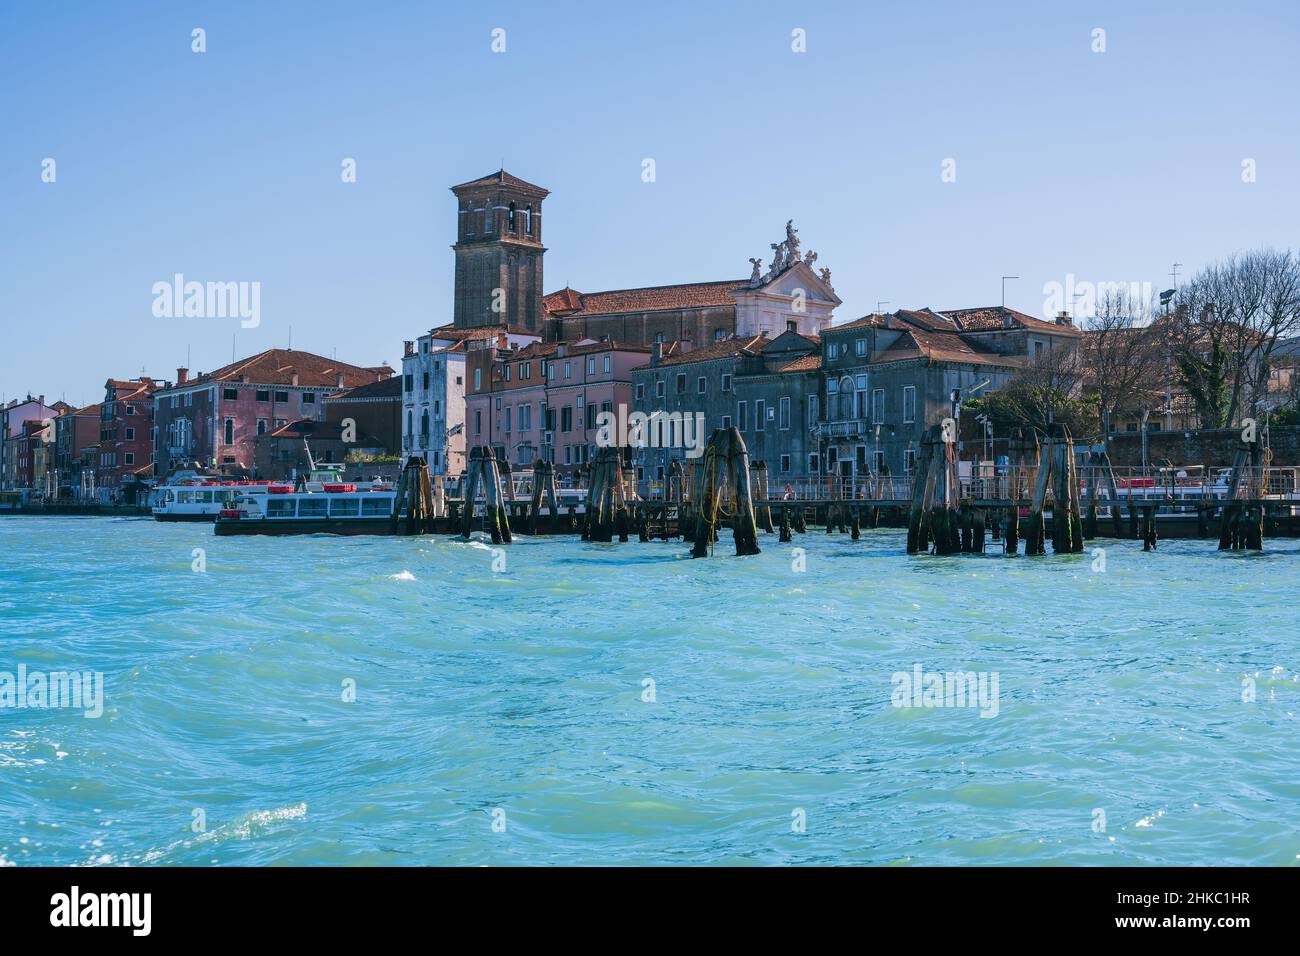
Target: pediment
(794, 277)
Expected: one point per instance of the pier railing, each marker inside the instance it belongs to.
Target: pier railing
(1144, 485)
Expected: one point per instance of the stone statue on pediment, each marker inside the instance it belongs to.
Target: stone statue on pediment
(791, 241)
(826, 277)
(779, 254)
(756, 276)
(810, 258)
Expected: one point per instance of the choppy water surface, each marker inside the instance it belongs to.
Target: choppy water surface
(521, 691)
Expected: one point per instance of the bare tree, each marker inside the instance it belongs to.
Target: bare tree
(1229, 320)
(1120, 354)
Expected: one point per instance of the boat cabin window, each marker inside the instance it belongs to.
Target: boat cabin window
(381, 505)
(345, 507)
(311, 507)
(279, 507)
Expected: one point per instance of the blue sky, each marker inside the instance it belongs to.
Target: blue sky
(225, 165)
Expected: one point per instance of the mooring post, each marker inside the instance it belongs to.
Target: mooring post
(469, 488)
(785, 535)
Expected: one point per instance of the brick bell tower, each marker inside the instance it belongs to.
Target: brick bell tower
(499, 253)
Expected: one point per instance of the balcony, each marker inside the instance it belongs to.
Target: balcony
(846, 428)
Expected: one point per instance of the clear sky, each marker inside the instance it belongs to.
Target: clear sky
(225, 165)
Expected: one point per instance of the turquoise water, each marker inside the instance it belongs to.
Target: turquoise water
(499, 716)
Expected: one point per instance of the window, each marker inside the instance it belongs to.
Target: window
(726, 421)
(525, 417)
(478, 421)
(659, 338)
(605, 364)
(812, 410)
(640, 391)
(659, 389)
(878, 466)
(424, 423)
(785, 464)
(130, 434)
(814, 464)
(568, 370)
(505, 373)
(507, 419)
(478, 379)
(719, 334)
(264, 394)
(784, 415)
(877, 406)
(130, 458)
(311, 507)
(909, 461)
(281, 396)
(378, 505)
(424, 382)
(760, 413)
(279, 507)
(130, 409)
(591, 365)
(726, 383)
(229, 394)
(742, 416)
(591, 417)
(566, 421)
(830, 351)
(791, 325)
(408, 385)
(230, 431)
(702, 385)
(681, 383)
(860, 347)
(345, 507)
(309, 398)
(909, 403)
(261, 426)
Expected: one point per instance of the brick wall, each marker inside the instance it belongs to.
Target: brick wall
(1213, 447)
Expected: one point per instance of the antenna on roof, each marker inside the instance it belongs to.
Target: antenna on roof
(1004, 289)
(291, 338)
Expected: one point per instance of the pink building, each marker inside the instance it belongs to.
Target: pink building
(582, 381)
(215, 418)
(544, 399)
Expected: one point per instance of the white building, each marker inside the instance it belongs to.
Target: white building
(433, 392)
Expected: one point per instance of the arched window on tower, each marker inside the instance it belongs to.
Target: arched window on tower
(512, 217)
(528, 219)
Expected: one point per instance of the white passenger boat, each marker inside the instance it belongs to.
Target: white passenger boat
(336, 508)
(200, 500)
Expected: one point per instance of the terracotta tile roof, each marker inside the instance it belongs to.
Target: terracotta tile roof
(808, 363)
(132, 389)
(450, 333)
(874, 319)
(88, 411)
(660, 298)
(611, 345)
(814, 341)
(278, 367)
(390, 387)
(714, 350)
(503, 178)
(993, 317)
(939, 347)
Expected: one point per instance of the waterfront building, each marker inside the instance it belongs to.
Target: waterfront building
(13, 416)
(215, 418)
(282, 454)
(582, 381)
(888, 377)
(76, 443)
(434, 378)
(373, 410)
(125, 447)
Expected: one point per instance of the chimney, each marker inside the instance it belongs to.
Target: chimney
(1006, 319)
(656, 353)
(338, 380)
(1063, 318)
(562, 350)
(294, 380)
